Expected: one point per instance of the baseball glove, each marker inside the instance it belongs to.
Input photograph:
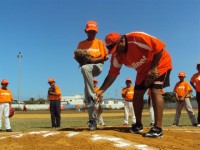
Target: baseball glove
(82, 57)
(51, 90)
(151, 76)
(12, 112)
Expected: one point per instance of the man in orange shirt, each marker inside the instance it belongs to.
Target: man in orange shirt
(127, 94)
(54, 96)
(96, 49)
(183, 90)
(195, 82)
(5, 104)
(147, 55)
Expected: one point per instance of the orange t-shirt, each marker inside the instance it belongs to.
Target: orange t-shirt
(141, 49)
(182, 87)
(5, 96)
(196, 79)
(55, 97)
(77, 106)
(129, 95)
(94, 48)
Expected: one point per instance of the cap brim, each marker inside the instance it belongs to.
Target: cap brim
(88, 29)
(113, 50)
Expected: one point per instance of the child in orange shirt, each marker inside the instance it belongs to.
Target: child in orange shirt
(54, 96)
(5, 104)
(24, 107)
(183, 90)
(195, 82)
(97, 50)
(127, 95)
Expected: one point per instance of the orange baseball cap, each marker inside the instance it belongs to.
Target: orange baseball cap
(111, 39)
(95, 80)
(51, 80)
(91, 25)
(128, 79)
(182, 74)
(4, 81)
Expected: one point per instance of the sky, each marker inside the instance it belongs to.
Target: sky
(47, 32)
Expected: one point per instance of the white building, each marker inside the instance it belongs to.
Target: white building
(71, 101)
(76, 99)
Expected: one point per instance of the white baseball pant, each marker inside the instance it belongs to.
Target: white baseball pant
(5, 110)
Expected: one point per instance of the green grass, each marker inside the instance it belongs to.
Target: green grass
(22, 125)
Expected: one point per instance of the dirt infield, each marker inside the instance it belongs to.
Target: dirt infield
(103, 138)
(111, 138)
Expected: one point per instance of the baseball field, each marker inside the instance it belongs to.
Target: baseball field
(32, 130)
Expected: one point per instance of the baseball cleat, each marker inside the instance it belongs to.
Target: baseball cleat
(8, 130)
(194, 124)
(92, 125)
(136, 128)
(154, 132)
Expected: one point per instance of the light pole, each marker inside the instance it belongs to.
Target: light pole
(19, 56)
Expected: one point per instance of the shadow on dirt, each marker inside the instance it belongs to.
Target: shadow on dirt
(116, 128)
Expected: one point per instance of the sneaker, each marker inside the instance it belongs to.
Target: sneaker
(136, 128)
(174, 125)
(8, 130)
(198, 125)
(92, 125)
(194, 124)
(154, 132)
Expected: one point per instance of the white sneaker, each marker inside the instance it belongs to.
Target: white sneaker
(198, 125)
